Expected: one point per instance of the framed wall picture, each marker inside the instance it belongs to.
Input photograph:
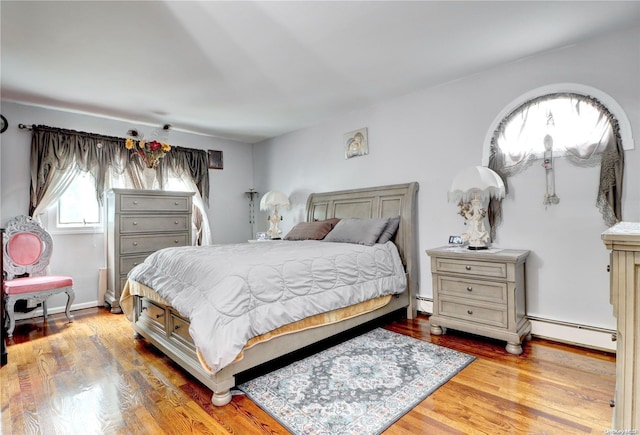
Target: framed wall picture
(356, 143)
(215, 160)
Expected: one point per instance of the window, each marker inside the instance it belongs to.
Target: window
(583, 123)
(524, 107)
(77, 210)
(563, 122)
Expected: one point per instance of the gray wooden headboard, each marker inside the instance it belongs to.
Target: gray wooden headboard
(375, 202)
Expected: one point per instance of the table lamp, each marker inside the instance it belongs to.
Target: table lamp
(273, 200)
(470, 188)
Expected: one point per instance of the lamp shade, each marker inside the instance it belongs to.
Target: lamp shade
(274, 199)
(476, 182)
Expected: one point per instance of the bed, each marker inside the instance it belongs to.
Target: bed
(155, 318)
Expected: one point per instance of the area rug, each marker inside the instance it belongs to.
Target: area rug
(361, 386)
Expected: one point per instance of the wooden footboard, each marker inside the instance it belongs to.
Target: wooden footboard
(166, 329)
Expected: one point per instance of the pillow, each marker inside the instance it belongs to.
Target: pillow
(390, 230)
(360, 231)
(332, 221)
(309, 231)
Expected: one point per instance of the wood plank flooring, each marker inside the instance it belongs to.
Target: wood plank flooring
(92, 377)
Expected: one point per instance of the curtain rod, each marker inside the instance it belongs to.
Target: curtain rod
(25, 127)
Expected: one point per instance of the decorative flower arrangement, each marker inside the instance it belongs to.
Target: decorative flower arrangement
(149, 152)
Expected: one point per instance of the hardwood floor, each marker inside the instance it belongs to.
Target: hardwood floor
(92, 377)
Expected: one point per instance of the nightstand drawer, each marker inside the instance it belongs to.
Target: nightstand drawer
(474, 313)
(471, 267)
(140, 224)
(473, 289)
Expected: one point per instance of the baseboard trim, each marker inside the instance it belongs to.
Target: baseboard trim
(586, 336)
(61, 309)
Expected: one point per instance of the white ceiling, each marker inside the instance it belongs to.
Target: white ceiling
(253, 70)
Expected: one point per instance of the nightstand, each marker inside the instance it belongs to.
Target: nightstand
(480, 292)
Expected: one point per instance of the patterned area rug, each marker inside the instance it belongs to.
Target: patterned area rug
(361, 386)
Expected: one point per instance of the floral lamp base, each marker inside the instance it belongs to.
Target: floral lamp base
(476, 235)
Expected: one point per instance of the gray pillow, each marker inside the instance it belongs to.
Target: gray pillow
(390, 230)
(360, 231)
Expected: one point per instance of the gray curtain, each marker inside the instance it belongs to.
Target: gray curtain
(609, 153)
(55, 149)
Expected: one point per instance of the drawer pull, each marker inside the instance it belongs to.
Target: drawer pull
(469, 289)
(145, 308)
(135, 263)
(135, 202)
(608, 268)
(175, 328)
(614, 336)
(468, 267)
(469, 312)
(159, 315)
(135, 243)
(135, 223)
(176, 203)
(175, 222)
(176, 241)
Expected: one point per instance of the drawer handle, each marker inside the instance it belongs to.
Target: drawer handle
(135, 223)
(159, 315)
(468, 267)
(135, 243)
(175, 328)
(145, 308)
(608, 268)
(614, 336)
(175, 222)
(176, 241)
(135, 263)
(469, 312)
(469, 289)
(176, 203)
(135, 202)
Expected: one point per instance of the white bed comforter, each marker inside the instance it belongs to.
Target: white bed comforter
(231, 293)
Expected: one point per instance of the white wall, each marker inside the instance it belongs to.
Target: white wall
(426, 136)
(81, 255)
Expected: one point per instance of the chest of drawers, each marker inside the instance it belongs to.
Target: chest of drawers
(623, 239)
(480, 292)
(140, 222)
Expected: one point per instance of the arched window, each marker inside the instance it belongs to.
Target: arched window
(575, 125)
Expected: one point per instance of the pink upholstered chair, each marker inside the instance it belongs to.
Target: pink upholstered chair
(27, 251)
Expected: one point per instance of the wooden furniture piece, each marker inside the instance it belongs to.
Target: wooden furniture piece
(623, 240)
(140, 222)
(27, 249)
(168, 330)
(481, 292)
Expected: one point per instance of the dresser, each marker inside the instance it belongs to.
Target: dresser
(140, 222)
(481, 292)
(623, 240)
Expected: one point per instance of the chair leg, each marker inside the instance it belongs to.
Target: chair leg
(71, 295)
(44, 311)
(9, 308)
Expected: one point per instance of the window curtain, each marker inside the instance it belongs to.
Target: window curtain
(58, 155)
(593, 139)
